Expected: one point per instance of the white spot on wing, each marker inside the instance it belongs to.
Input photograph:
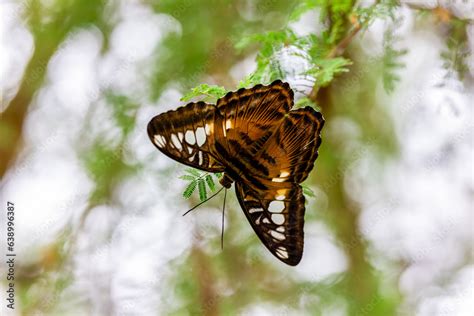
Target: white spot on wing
(163, 140)
(200, 158)
(278, 219)
(180, 136)
(200, 136)
(278, 179)
(280, 197)
(255, 210)
(276, 206)
(228, 124)
(158, 141)
(190, 150)
(284, 174)
(175, 141)
(266, 221)
(277, 235)
(280, 229)
(282, 177)
(282, 253)
(190, 139)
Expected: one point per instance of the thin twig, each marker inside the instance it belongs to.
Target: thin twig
(341, 47)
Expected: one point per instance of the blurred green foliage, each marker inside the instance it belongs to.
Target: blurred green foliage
(457, 51)
(391, 57)
(212, 92)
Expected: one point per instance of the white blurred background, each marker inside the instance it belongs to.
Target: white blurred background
(124, 255)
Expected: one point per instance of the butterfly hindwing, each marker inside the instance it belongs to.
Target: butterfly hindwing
(289, 154)
(277, 217)
(270, 195)
(187, 135)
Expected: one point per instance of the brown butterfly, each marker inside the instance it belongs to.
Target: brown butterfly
(258, 142)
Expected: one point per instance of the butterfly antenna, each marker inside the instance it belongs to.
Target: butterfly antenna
(204, 201)
(222, 231)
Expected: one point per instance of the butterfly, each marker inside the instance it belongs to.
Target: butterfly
(256, 140)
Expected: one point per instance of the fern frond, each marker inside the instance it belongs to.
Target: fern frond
(187, 177)
(210, 183)
(189, 189)
(457, 51)
(198, 179)
(212, 92)
(391, 58)
(327, 69)
(202, 189)
(193, 172)
(303, 7)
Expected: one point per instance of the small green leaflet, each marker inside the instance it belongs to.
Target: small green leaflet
(382, 10)
(249, 81)
(189, 190)
(268, 40)
(202, 190)
(391, 60)
(198, 179)
(209, 91)
(307, 191)
(327, 68)
(210, 183)
(302, 8)
(305, 101)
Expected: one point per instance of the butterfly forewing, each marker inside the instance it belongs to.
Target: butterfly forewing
(188, 135)
(251, 115)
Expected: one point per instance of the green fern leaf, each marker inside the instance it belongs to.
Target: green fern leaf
(202, 189)
(210, 183)
(327, 69)
(187, 177)
(189, 189)
(304, 7)
(212, 91)
(391, 58)
(193, 172)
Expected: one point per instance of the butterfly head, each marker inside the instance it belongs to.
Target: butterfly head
(226, 181)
